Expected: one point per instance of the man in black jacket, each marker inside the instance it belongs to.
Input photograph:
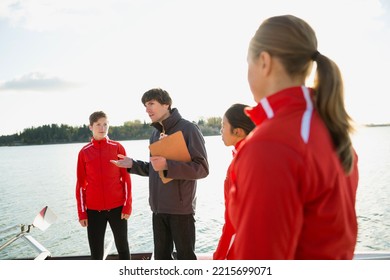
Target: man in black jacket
(173, 203)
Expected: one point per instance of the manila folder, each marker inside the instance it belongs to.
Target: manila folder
(171, 147)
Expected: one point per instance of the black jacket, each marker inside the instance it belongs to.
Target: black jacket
(179, 195)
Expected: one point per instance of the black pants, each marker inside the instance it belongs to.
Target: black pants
(97, 224)
(178, 230)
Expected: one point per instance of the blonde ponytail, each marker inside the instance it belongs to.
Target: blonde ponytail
(329, 101)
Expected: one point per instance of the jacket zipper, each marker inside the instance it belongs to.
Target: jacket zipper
(101, 175)
(162, 133)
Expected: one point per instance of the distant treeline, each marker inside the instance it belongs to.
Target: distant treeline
(59, 134)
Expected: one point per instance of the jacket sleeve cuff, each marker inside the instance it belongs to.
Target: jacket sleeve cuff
(127, 209)
(83, 216)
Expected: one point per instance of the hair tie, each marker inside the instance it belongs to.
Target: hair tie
(315, 55)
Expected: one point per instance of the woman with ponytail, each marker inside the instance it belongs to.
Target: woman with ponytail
(294, 180)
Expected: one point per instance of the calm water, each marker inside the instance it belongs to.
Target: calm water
(35, 176)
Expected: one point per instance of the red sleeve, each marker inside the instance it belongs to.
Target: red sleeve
(265, 206)
(81, 185)
(125, 177)
(227, 229)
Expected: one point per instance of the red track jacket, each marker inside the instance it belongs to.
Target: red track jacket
(100, 184)
(290, 197)
(228, 232)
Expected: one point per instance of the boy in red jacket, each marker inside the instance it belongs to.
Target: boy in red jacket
(103, 192)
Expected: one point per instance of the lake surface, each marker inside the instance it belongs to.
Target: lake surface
(32, 177)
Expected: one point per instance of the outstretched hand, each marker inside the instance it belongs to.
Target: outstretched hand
(123, 162)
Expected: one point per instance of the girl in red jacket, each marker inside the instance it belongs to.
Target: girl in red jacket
(295, 176)
(236, 125)
(103, 192)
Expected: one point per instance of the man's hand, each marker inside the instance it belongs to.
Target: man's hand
(159, 163)
(123, 162)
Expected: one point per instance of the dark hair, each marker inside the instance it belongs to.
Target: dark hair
(238, 119)
(95, 116)
(158, 94)
(294, 42)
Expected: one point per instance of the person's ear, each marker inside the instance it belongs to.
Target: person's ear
(265, 62)
(239, 132)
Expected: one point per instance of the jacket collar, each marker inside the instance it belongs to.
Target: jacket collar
(270, 106)
(99, 142)
(236, 147)
(169, 122)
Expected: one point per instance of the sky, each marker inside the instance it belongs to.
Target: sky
(61, 60)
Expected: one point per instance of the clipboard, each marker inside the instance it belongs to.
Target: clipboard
(171, 147)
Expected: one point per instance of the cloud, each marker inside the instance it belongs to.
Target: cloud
(37, 81)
